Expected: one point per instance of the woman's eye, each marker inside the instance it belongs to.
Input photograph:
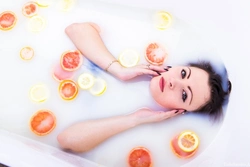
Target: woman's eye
(184, 96)
(183, 74)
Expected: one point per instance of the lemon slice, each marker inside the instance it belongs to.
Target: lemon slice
(162, 20)
(39, 93)
(36, 23)
(66, 5)
(26, 53)
(99, 87)
(85, 81)
(43, 3)
(129, 58)
(188, 141)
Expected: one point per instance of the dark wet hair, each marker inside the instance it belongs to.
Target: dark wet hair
(220, 88)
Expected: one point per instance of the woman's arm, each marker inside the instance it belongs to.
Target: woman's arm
(87, 39)
(86, 135)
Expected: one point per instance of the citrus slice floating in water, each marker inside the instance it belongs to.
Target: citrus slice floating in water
(7, 20)
(71, 60)
(188, 141)
(185, 144)
(30, 9)
(68, 89)
(139, 157)
(155, 54)
(26, 53)
(129, 58)
(85, 81)
(60, 74)
(99, 87)
(39, 93)
(44, 3)
(42, 122)
(162, 20)
(66, 5)
(36, 23)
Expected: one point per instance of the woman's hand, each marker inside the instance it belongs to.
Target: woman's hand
(128, 73)
(146, 115)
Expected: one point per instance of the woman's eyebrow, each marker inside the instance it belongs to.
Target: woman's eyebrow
(189, 86)
(189, 73)
(191, 95)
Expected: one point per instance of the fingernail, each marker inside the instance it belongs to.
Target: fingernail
(176, 111)
(158, 72)
(184, 111)
(165, 69)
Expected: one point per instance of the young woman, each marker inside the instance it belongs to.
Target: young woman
(193, 88)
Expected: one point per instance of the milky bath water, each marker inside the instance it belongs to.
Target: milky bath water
(121, 28)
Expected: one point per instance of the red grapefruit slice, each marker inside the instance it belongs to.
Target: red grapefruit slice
(60, 74)
(26, 53)
(42, 122)
(7, 20)
(139, 157)
(68, 89)
(30, 9)
(155, 54)
(71, 60)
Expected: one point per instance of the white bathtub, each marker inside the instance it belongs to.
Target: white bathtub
(226, 24)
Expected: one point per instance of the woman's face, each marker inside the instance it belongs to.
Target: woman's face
(181, 87)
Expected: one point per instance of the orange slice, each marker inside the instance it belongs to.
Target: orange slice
(60, 74)
(99, 87)
(39, 93)
(30, 9)
(7, 20)
(129, 58)
(155, 54)
(162, 20)
(139, 157)
(71, 60)
(42, 122)
(185, 144)
(68, 89)
(26, 53)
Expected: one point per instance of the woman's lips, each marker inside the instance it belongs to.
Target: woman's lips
(162, 84)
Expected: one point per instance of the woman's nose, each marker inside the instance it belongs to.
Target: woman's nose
(173, 82)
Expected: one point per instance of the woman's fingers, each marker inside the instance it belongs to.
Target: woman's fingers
(150, 69)
(143, 69)
(156, 68)
(172, 113)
